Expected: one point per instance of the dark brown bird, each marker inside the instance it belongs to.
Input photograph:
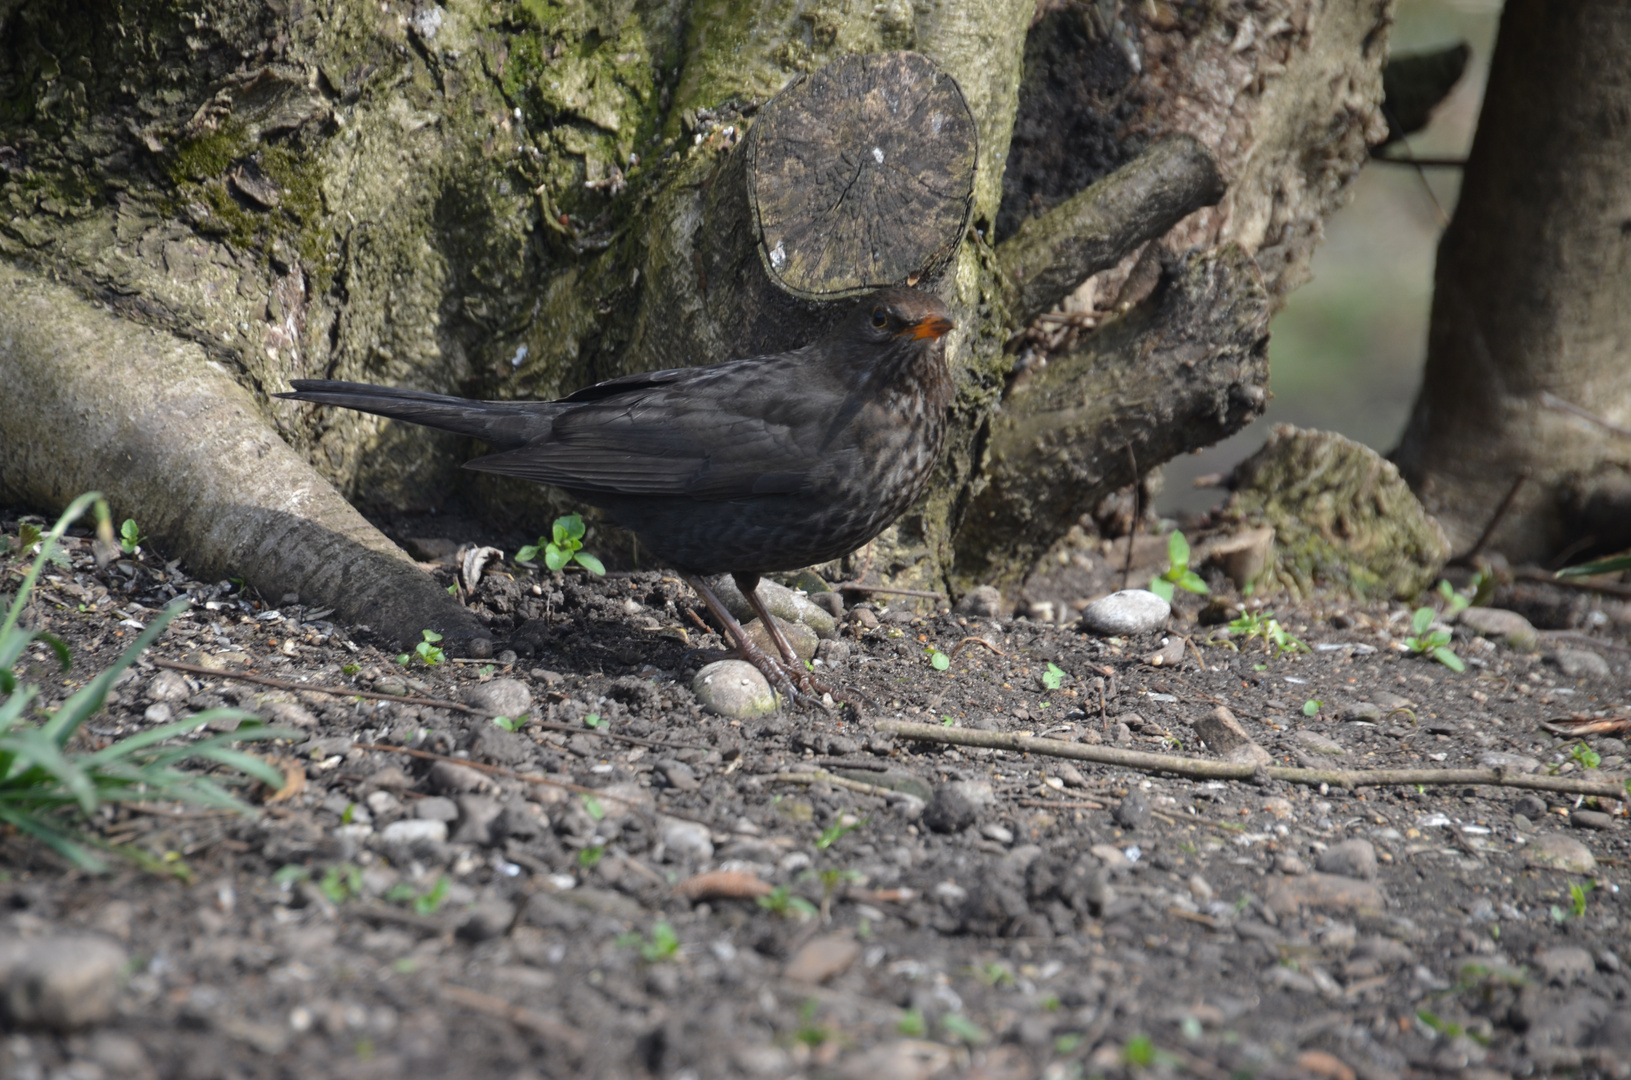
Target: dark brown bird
(746, 467)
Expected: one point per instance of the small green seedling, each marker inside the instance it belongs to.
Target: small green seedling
(564, 547)
(1177, 574)
(937, 659)
(351, 669)
(426, 650)
(663, 944)
(428, 902)
(1435, 643)
(830, 879)
(589, 857)
(1312, 707)
(593, 720)
(592, 806)
(809, 1032)
(833, 833)
(130, 537)
(510, 725)
(1052, 677)
(1454, 603)
(1585, 756)
(1263, 624)
(782, 901)
(961, 1027)
(341, 882)
(911, 1024)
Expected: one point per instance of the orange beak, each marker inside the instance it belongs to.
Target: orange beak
(932, 327)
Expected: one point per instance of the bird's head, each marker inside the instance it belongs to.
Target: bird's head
(901, 316)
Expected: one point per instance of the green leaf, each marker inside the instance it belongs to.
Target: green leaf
(1053, 676)
(961, 1027)
(664, 943)
(1311, 707)
(1610, 565)
(593, 720)
(430, 635)
(1162, 588)
(129, 536)
(1192, 582)
(1421, 620)
(570, 526)
(589, 857)
(590, 563)
(556, 556)
(593, 808)
(911, 1024)
(1449, 659)
(431, 902)
(529, 553)
(939, 660)
(1178, 550)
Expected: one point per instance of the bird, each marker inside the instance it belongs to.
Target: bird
(747, 467)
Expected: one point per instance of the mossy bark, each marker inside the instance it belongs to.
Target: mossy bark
(512, 199)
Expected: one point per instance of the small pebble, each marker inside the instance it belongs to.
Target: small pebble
(1291, 865)
(1581, 664)
(996, 832)
(685, 841)
(501, 697)
(1508, 627)
(1132, 812)
(1130, 611)
(1565, 964)
(1350, 858)
(412, 831)
(822, 958)
(983, 602)
(1532, 807)
(64, 982)
(436, 808)
(1559, 852)
(679, 775)
(950, 810)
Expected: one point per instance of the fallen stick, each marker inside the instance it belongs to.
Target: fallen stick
(822, 776)
(1201, 769)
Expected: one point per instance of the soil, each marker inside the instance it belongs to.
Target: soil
(936, 911)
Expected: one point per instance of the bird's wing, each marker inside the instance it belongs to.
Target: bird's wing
(750, 427)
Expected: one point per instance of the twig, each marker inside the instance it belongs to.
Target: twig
(1132, 530)
(822, 776)
(975, 640)
(1495, 518)
(546, 1027)
(1062, 804)
(1546, 577)
(856, 586)
(1202, 769)
(499, 770)
(1557, 404)
(335, 691)
(341, 691)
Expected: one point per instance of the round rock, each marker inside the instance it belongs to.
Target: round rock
(1130, 611)
(501, 697)
(1559, 852)
(951, 810)
(1351, 858)
(734, 689)
(1508, 627)
(62, 982)
(1580, 664)
(984, 602)
(1132, 812)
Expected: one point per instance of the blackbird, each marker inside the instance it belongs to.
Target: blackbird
(746, 467)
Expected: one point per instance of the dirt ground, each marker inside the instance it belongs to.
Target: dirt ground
(874, 907)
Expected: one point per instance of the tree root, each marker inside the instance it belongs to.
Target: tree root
(1201, 769)
(95, 402)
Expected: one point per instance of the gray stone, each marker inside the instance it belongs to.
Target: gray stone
(520, 821)
(679, 775)
(495, 746)
(685, 841)
(168, 686)
(500, 697)
(1508, 627)
(734, 689)
(436, 808)
(1287, 895)
(983, 602)
(822, 958)
(1591, 819)
(1580, 664)
(448, 778)
(830, 602)
(414, 832)
(999, 833)
(1500, 759)
(1557, 851)
(1223, 734)
(1070, 774)
(1351, 858)
(288, 714)
(803, 639)
(1133, 811)
(487, 919)
(780, 601)
(833, 652)
(1565, 964)
(951, 810)
(160, 712)
(1130, 611)
(1320, 744)
(476, 816)
(63, 982)
(1532, 807)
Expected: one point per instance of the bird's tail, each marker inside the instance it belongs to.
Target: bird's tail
(504, 425)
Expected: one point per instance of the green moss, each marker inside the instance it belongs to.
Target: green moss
(209, 155)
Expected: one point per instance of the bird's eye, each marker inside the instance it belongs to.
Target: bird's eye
(880, 318)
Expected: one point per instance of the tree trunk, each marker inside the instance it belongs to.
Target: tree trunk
(517, 200)
(1527, 355)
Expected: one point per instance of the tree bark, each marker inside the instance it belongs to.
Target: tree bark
(1526, 367)
(518, 200)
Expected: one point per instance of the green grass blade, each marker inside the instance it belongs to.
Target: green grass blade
(62, 841)
(32, 748)
(48, 544)
(1601, 566)
(89, 699)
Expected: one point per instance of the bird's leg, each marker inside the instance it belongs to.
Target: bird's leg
(780, 675)
(807, 682)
